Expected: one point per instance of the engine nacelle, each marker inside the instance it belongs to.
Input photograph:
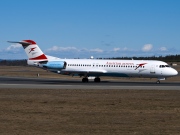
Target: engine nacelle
(54, 65)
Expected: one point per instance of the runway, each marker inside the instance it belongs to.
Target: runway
(38, 83)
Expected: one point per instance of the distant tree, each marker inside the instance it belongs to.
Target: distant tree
(13, 62)
(168, 58)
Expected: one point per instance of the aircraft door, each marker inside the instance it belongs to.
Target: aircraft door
(152, 69)
(162, 68)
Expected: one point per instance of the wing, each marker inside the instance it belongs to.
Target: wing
(83, 72)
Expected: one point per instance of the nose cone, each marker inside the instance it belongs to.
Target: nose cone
(174, 72)
(169, 72)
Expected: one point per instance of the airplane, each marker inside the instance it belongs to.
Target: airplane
(96, 68)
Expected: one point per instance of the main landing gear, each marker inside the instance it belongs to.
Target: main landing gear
(97, 79)
(85, 79)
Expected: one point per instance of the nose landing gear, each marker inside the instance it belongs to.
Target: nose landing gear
(160, 79)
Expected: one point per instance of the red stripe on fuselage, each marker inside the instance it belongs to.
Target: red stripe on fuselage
(39, 57)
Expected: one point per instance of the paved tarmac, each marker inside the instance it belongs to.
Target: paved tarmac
(38, 83)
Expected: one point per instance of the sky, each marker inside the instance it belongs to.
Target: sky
(85, 28)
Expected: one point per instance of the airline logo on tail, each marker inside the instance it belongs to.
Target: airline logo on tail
(32, 49)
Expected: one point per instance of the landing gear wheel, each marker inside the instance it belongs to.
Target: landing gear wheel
(97, 79)
(158, 82)
(85, 80)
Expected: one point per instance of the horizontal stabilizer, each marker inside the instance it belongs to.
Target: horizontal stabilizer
(20, 42)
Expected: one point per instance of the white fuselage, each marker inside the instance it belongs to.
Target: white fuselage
(119, 68)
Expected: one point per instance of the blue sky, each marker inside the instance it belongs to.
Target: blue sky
(84, 28)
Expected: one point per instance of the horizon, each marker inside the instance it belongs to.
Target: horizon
(120, 58)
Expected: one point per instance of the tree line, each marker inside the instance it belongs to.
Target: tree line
(13, 62)
(168, 58)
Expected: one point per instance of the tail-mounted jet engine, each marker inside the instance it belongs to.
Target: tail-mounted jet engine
(53, 64)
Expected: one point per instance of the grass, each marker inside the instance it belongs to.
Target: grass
(85, 112)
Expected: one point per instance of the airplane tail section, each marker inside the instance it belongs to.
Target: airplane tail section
(32, 50)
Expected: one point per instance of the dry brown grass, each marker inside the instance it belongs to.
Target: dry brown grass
(87, 112)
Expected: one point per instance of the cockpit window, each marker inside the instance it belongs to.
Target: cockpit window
(163, 66)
